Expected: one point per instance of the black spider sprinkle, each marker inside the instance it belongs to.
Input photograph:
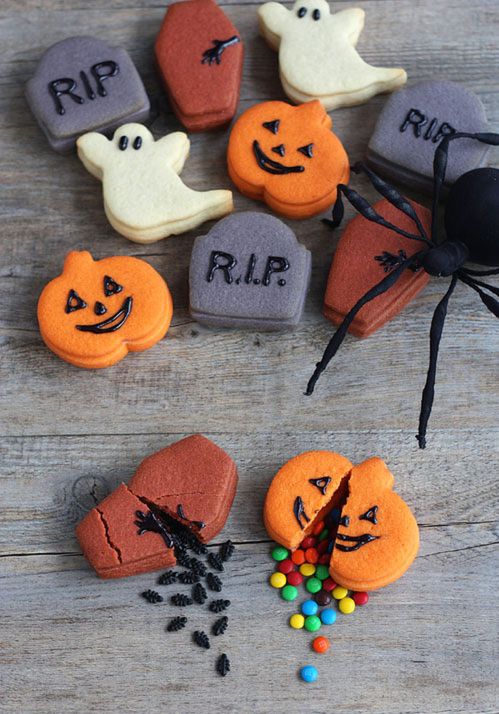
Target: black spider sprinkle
(223, 665)
(227, 549)
(167, 578)
(214, 582)
(198, 547)
(220, 625)
(188, 578)
(182, 558)
(199, 594)
(180, 600)
(201, 639)
(219, 605)
(176, 624)
(216, 561)
(198, 567)
(152, 596)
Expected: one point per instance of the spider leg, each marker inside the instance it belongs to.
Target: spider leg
(483, 273)
(490, 303)
(393, 197)
(340, 334)
(365, 209)
(437, 326)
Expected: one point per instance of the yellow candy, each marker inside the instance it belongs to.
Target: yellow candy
(297, 621)
(307, 569)
(339, 593)
(346, 605)
(278, 580)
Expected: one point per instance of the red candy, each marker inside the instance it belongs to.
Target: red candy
(320, 645)
(328, 584)
(311, 555)
(295, 578)
(318, 528)
(308, 542)
(286, 566)
(322, 547)
(360, 598)
(298, 557)
(324, 559)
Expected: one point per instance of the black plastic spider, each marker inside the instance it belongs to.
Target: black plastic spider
(472, 229)
(214, 54)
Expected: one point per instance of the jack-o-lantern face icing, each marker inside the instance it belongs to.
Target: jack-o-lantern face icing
(377, 536)
(95, 312)
(288, 157)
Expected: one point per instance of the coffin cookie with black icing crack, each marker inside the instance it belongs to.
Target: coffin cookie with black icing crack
(249, 271)
(413, 122)
(199, 54)
(82, 84)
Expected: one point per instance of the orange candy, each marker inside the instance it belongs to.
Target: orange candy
(298, 557)
(97, 311)
(311, 555)
(288, 157)
(318, 528)
(321, 645)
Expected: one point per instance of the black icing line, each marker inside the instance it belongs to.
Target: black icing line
(100, 328)
(271, 166)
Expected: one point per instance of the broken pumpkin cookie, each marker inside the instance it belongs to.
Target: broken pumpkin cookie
(181, 494)
(377, 537)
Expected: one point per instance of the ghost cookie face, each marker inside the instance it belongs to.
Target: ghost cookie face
(317, 55)
(412, 124)
(144, 198)
(249, 271)
(375, 537)
(199, 55)
(97, 311)
(83, 84)
(288, 157)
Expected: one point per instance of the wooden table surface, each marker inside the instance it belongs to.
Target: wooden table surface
(72, 643)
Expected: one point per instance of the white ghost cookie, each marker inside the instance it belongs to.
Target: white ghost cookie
(144, 198)
(317, 55)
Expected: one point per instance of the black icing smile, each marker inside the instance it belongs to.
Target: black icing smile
(110, 325)
(359, 541)
(271, 166)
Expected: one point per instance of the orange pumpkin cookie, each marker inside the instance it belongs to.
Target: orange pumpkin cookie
(301, 492)
(288, 157)
(377, 537)
(97, 311)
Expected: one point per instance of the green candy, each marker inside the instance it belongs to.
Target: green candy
(280, 553)
(321, 572)
(313, 585)
(312, 623)
(324, 534)
(289, 592)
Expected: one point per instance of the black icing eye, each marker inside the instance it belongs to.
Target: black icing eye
(272, 126)
(302, 12)
(344, 521)
(99, 308)
(316, 14)
(123, 143)
(370, 515)
(307, 150)
(281, 149)
(74, 302)
(111, 287)
(137, 143)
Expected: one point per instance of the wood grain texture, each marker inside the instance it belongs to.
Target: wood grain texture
(71, 643)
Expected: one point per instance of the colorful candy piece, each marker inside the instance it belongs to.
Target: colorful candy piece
(328, 584)
(361, 260)
(328, 616)
(309, 607)
(317, 55)
(361, 598)
(97, 311)
(321, 645)
(278, 580)
(412, 123)
(297, 621)
(288, 157)
(321, 572)
(298, 557)
(199, 54)
(295, 578)
(286, 566)
(289, 592)
(144, 198)
(309, 673)
(307, 569)
(339, 592)
(279, 553)
(313, 585)
(249, 271)
(83, 84)
(346, 605)
(312, 623)
(322, 598)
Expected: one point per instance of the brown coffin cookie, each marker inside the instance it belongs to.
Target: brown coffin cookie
(355, 270)
(110, 540)
(199, 54)
(193, 480)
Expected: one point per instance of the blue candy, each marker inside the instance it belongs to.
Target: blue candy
(309, 673)
(309, 607)
(328, 616)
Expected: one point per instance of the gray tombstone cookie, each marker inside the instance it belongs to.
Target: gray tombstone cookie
(249, 271)
(412, 123)
(82, 84)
